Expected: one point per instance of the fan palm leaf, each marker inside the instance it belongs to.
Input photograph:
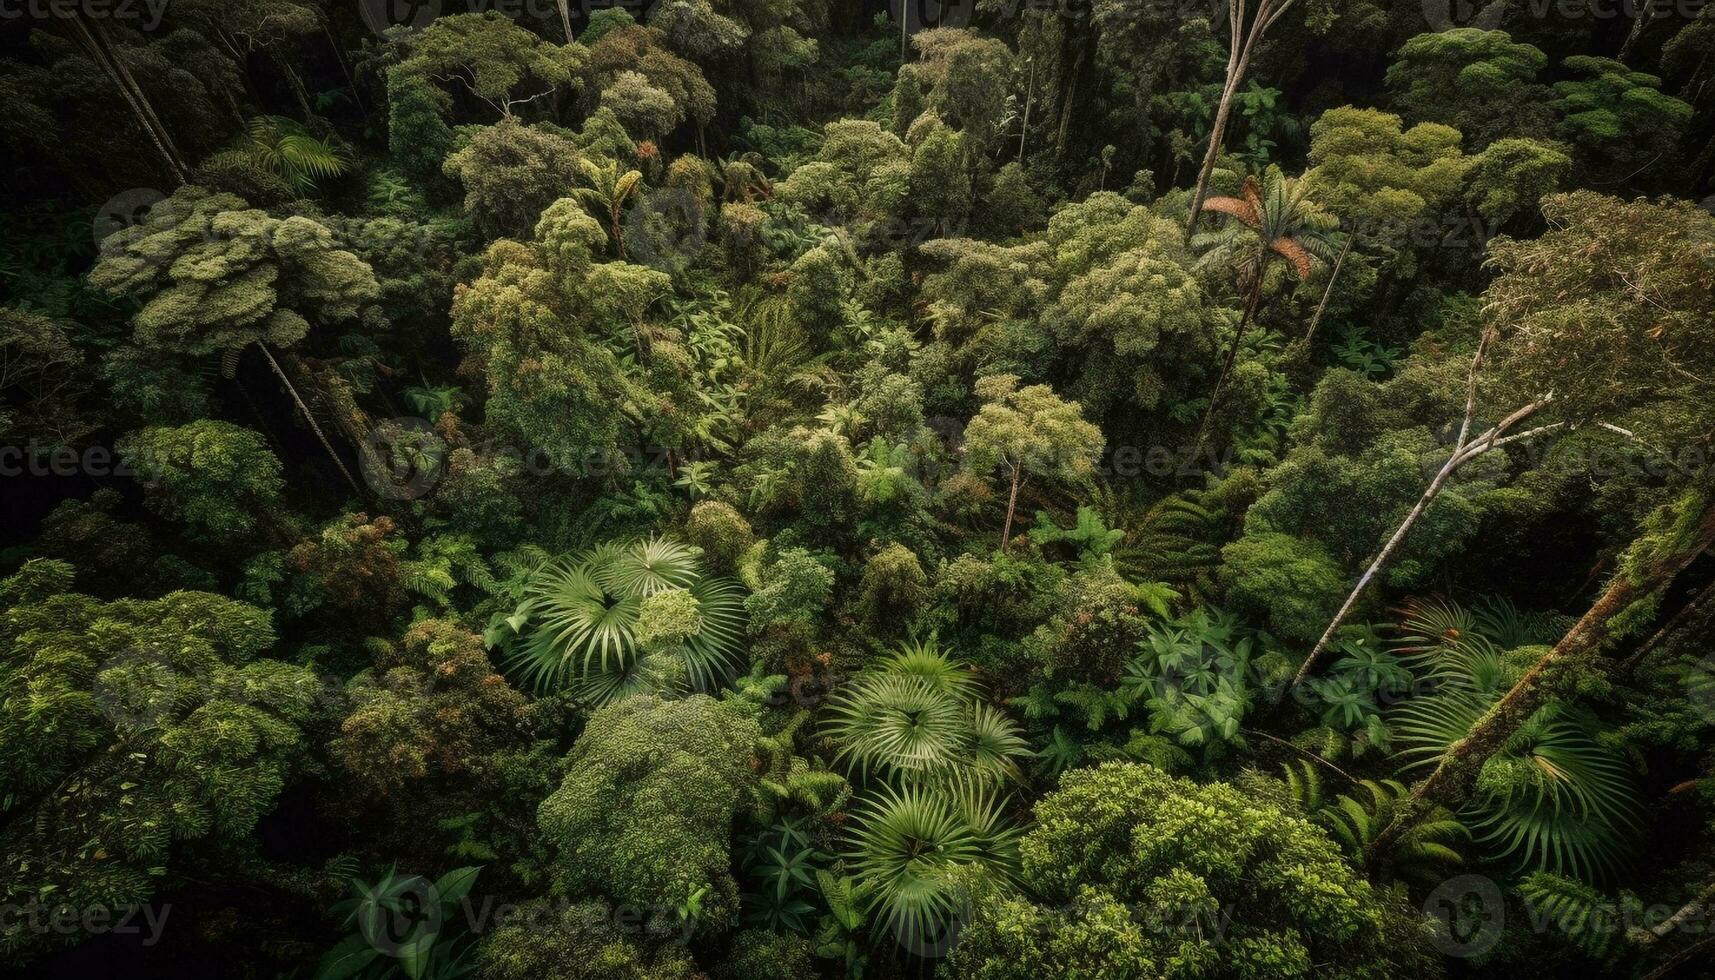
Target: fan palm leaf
(908, 845)
(1554, 798)
(577, 623)
(920, 718)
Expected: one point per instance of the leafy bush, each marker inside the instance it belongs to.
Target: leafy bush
(645, 813)
(1130, 872)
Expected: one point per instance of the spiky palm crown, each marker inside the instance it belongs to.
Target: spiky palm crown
(919, 717)
(908, 847)
(1273, 217)
(578, 622)
(1554, 798)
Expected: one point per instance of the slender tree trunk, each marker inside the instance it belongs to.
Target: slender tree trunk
(1385, 557)
(1217, 133)
(1029, 94)
(1678, 619)
(1465, 449)
(1252, 301)
(1686, 955)
(1451, 781)
(566, 20)
(1067, 102)
(92, 36)
(1328, 291)
(1011, 505)
(1242, 40)
(1643, 13)
(311, 419)
(1692, 909)
(344, 69)
(300, 94)
(904, 22)
(618, 230)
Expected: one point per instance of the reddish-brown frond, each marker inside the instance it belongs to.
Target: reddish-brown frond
(1242, 210)
(1294, 253)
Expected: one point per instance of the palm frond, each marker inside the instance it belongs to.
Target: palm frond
(908, 845)
(920, 718)
(577, 621)
(1554, 797)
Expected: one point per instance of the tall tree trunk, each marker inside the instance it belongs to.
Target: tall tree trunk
(1384, 558)
(1252, 300)
(1068, 99)
(1678, 619)
(344, 69)
(91, 35)
(1687, 955)
(1011, 505)
(904, 27)
(1452, 779)
(300, 94)
(1694, 909)
(1029, 95)
(311, 419)
(1217, 133)
(1328, 290)
(1465, 449)
(1242, 39)
(566, 20)
(1643, 12)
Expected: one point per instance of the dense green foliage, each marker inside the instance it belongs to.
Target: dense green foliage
(760, 489)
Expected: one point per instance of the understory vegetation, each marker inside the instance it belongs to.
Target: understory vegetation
(753, 489)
